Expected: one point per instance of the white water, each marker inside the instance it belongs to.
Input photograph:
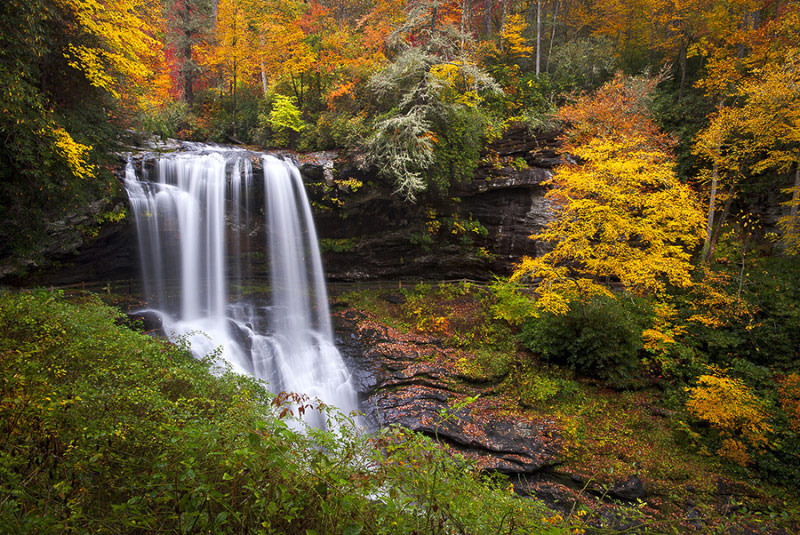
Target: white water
(194, 222)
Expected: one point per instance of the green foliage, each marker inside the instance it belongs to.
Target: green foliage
(402, 147)
(513, 303)
(284, 120)
(486, 365)
(601, 338)
(460, 134)
(536, 385)
(63, 82)
(225, 117)
(109, 431)
(766, 333)
(583, 63)
(168, 121)
(334, 130)
(682, 115)
(341, 245)
(526, 97)
(431, 129)
(461, 314)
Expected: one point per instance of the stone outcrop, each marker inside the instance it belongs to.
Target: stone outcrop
(407, 380)
(382, 236)
(368, 232)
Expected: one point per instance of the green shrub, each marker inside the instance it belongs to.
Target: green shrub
(106, 430)
(601, 338)
(767, 333)
(334, 130)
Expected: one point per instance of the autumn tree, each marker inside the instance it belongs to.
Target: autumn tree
(65, 67)
(188, 23)
(620, 213)
(430, 131)
(718, 144)
(734, 410)
(756, 127)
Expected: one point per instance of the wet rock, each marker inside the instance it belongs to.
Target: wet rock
(631, 489)
(401, 382)
(146, 321)
(240, 334)
(504, 445)
(382, 232)
(395, 299)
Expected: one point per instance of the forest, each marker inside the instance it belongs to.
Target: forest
(663, 302)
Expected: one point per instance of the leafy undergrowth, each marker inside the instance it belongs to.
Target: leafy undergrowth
(105, 430)
(610, 434)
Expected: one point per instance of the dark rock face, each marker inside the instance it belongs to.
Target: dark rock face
(111, 255)
(402, 383)
(366, 231)
(631, 489)
(386, 237)
(146, 321)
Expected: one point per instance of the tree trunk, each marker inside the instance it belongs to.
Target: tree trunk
(706, 255)
(186, 51)
(464, 23)
(263, 69)
(487, 17)
(795, 195)
(235, 81)
(188, 76)
(538, 36)
(682, 62)
(552, 35)
(718, 225)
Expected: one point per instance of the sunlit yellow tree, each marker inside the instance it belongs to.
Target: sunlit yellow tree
(731, 408)
(621, 215)
(756, 127)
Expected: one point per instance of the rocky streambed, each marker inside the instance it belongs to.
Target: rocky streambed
(414, 381)
(411, 380)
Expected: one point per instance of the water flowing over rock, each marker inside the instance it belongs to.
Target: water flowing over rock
(197, 215)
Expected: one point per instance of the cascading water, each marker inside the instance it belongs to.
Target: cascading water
(195, 223)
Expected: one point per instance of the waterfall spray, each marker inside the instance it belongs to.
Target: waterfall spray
(195, 223)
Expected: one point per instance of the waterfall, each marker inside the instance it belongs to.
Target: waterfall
(196, 221)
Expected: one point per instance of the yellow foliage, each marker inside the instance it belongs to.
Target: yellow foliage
(121, 44)
(622, 215)
(713, 306)
(74, 154)
(458, 84)
(735, 451)
(661, 338)
(730, 407)
(514, 44)
(789, 396)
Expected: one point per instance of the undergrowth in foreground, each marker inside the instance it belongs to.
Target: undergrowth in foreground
(105, 430)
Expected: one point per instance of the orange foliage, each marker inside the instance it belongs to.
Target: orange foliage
(734, 410)
(618, 109)
(789, 396)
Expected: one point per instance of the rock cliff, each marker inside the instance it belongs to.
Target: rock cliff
(366, 232)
